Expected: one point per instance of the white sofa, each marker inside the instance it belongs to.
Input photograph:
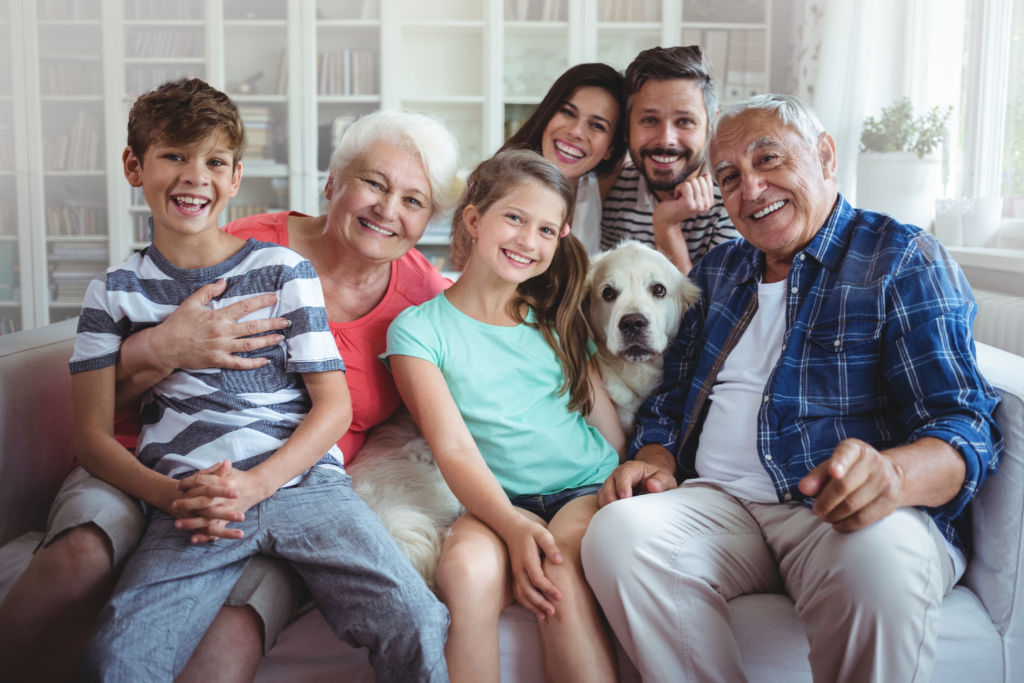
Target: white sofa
(981, 630)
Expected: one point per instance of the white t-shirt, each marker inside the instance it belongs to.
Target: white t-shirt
(727, 452)
(586, 219)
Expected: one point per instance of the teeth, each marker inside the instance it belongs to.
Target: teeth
(517, 258)
(568, 151)
(371, 226)
(768, 209)
(665, 159)
(191, 200)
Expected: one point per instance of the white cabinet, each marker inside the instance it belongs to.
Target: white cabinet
(299, 70)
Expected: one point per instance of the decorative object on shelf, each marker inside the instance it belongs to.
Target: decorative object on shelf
(949, 221)
(347, 72)
(897, 173)
(246, 87)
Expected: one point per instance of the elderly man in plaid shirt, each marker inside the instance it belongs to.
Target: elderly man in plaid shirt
(823, 409)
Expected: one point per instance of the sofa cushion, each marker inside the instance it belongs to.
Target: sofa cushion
(774, 647)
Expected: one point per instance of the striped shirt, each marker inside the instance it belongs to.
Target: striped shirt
(877, 347)
(629, 214)
(193, 419)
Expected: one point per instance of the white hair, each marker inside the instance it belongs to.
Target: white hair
(418, 134)
(789, 109)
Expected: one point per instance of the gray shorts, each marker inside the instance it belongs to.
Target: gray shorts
(269, 584)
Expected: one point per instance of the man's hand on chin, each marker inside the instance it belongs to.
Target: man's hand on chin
(857, 486)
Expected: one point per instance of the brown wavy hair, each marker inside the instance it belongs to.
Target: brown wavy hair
(184, 112)
(556, 295)
(595, 75)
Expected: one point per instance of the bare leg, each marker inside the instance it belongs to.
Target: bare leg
(576, 642)
(231, 650)
(475, 583)
(49, 613)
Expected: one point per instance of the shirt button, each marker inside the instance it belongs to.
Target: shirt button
(783, 347)
(836, 343)
(794, 290)
(765, 399)
(767, 457)
(802, 257)
(788, 496)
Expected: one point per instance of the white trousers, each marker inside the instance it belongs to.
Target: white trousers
(664, 566)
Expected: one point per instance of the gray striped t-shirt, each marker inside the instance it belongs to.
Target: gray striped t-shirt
(629, 214)
(193, 419)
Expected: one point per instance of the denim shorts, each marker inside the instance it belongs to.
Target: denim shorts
(547, 506)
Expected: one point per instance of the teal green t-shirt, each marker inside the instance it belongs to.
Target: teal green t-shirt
(505, 381)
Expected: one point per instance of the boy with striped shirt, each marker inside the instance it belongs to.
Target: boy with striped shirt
(255, 448)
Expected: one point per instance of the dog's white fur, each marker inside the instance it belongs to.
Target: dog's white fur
(395, 473)
(631, 324)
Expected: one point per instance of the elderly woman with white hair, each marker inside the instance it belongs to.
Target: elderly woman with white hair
(392, 173)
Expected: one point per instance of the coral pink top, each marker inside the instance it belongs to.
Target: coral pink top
(360, 342)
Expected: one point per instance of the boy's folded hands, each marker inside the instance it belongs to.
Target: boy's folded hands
(528, 543)
(211, 498)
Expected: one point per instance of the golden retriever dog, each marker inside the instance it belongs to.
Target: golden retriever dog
(635, 303)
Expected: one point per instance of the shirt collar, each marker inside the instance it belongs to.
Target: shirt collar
(827, 247)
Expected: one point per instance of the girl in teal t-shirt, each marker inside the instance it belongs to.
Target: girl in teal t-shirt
(496, 372)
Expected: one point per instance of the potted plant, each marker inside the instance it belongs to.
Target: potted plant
(898, 169)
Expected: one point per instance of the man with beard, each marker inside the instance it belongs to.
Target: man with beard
(661, 197)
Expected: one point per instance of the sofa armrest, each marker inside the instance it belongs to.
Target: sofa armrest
(35, 424)
(994, 571)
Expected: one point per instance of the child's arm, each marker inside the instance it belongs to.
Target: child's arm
(426, 395)
(326, 422)
(92, 395)
(604, 417)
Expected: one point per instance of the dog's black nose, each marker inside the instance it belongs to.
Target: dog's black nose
(634, 323)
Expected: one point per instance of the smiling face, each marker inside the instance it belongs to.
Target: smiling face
(517, 235)
(778, 192)
(186, 186)
(380, 204)
(579, 136)
(668, 127)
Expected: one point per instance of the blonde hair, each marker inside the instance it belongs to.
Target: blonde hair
(418, 134)
(556, 295)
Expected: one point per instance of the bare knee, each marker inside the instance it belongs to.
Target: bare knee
(466, 577)
(230, 651)
(78, 559)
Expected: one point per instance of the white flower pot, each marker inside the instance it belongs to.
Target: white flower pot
(900, 184)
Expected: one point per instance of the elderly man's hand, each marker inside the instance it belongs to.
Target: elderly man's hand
(856, 486)
(653, 471)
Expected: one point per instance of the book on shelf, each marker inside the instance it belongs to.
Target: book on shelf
(535, 10)
(142, 79)
(745, 75)
(9, 326)
(63, 10)
(236, 211)
(77, 215)
(260, 129)
(79, 251)
(76, 150)
(143, 228)
(281, 84)
(347, 72)
(716, 47)
(8, 257)
(165, 44)
(180, 10)
(629, 10)
(68, 77)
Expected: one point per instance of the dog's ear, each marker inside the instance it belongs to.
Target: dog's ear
(689, 293)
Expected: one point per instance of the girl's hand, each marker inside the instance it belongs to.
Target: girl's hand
(213, 497)
(530, 586)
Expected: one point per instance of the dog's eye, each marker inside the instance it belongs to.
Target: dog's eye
(608, 293)
(658, 290)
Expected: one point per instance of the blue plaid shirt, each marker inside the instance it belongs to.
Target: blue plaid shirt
(878, 347)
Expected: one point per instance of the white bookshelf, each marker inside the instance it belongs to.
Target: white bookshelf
(482, 66)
